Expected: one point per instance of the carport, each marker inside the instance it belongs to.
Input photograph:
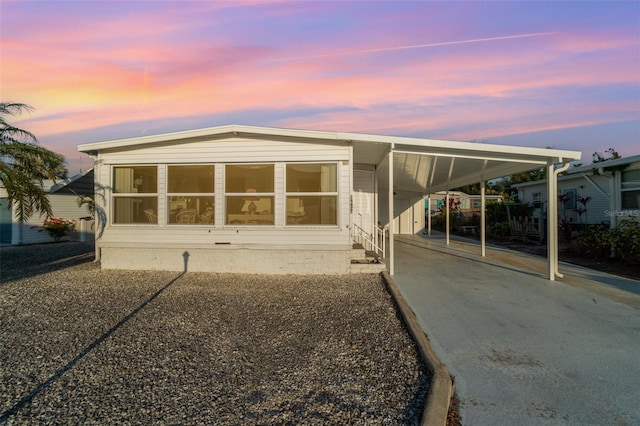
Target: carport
(426, 166)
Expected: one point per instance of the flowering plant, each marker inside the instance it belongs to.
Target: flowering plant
(58, 227)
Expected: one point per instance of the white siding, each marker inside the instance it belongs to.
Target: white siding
(224, 152)
(407, 218)
(238, 150)
(597, 208)
(63, 206)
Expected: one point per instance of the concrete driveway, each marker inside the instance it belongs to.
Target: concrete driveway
(525, 350)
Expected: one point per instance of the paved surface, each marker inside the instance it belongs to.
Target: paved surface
(525, 350)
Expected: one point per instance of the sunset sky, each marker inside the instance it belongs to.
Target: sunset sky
(542, 74)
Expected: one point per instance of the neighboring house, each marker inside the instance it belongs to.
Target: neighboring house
(613, 187)
(63, 197)
(468, 202)
(265, 200)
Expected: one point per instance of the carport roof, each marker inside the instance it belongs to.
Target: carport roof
(420, 165)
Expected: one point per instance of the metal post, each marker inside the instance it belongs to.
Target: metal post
(483, 205)
(429, 216)
(391, 230)
(552, 222)
(446, 211)
(552, 219)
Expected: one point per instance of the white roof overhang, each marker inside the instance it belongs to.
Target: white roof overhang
(587, 168)
(420, 165)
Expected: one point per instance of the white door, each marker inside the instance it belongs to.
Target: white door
(363, 200)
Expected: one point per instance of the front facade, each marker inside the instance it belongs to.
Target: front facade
(230, 205)
(610, 189)
(63, 197)
(274, 201)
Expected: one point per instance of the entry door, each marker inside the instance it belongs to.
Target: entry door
(363, 200)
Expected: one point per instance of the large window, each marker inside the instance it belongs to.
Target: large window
(312, 194)
(190, 194)
(631, 189)
(135, 194)
(249, 194)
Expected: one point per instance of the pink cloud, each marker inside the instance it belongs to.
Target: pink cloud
(167, 63)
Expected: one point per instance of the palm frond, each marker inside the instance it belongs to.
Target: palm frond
(24, 165)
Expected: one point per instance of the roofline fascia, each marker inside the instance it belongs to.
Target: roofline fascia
(558, 156)
(65, 182)
(605, 164)
(544, 181)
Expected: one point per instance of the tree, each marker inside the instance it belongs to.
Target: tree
(612, 155)
(609, 154)
(24, 164)
(530, 176)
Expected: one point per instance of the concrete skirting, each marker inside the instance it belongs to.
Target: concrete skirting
(436, 407)
(230, 259)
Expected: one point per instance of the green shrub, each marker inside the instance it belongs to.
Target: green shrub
(595, 241)
(626, 240)
(500, 230)
(496, 212)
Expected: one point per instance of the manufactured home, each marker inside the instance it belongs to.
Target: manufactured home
(611, 190)
(63, 197)
(265, 200)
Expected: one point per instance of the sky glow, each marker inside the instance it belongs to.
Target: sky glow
(543, 74)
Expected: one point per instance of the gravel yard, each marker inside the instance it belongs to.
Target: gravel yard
(88, 346)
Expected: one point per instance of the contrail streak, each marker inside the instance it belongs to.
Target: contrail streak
(414, 46)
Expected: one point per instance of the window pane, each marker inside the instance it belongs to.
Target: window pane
(571, 199)
(311, 177)
(312, 210)
(631, 179)
(190, 179)
(189, 209)
(249, 210)
(630, 200)
(140, 179)
(135, 210)
(249, 178)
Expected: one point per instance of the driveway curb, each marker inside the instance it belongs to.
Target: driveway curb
(436, 407)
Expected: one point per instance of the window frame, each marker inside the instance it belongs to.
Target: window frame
(130, 195)
(168, 195)
(226, 195)
(537, 199)
(334, 194)
(628, 189)
(572, 202)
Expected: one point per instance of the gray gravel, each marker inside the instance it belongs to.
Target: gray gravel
(81, 345)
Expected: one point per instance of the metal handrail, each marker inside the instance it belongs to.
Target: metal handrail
(368, 241)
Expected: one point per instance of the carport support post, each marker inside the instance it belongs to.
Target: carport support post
(391, 231)
(552, 219)
(429, 216)
(483, 243)
(446, 210)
